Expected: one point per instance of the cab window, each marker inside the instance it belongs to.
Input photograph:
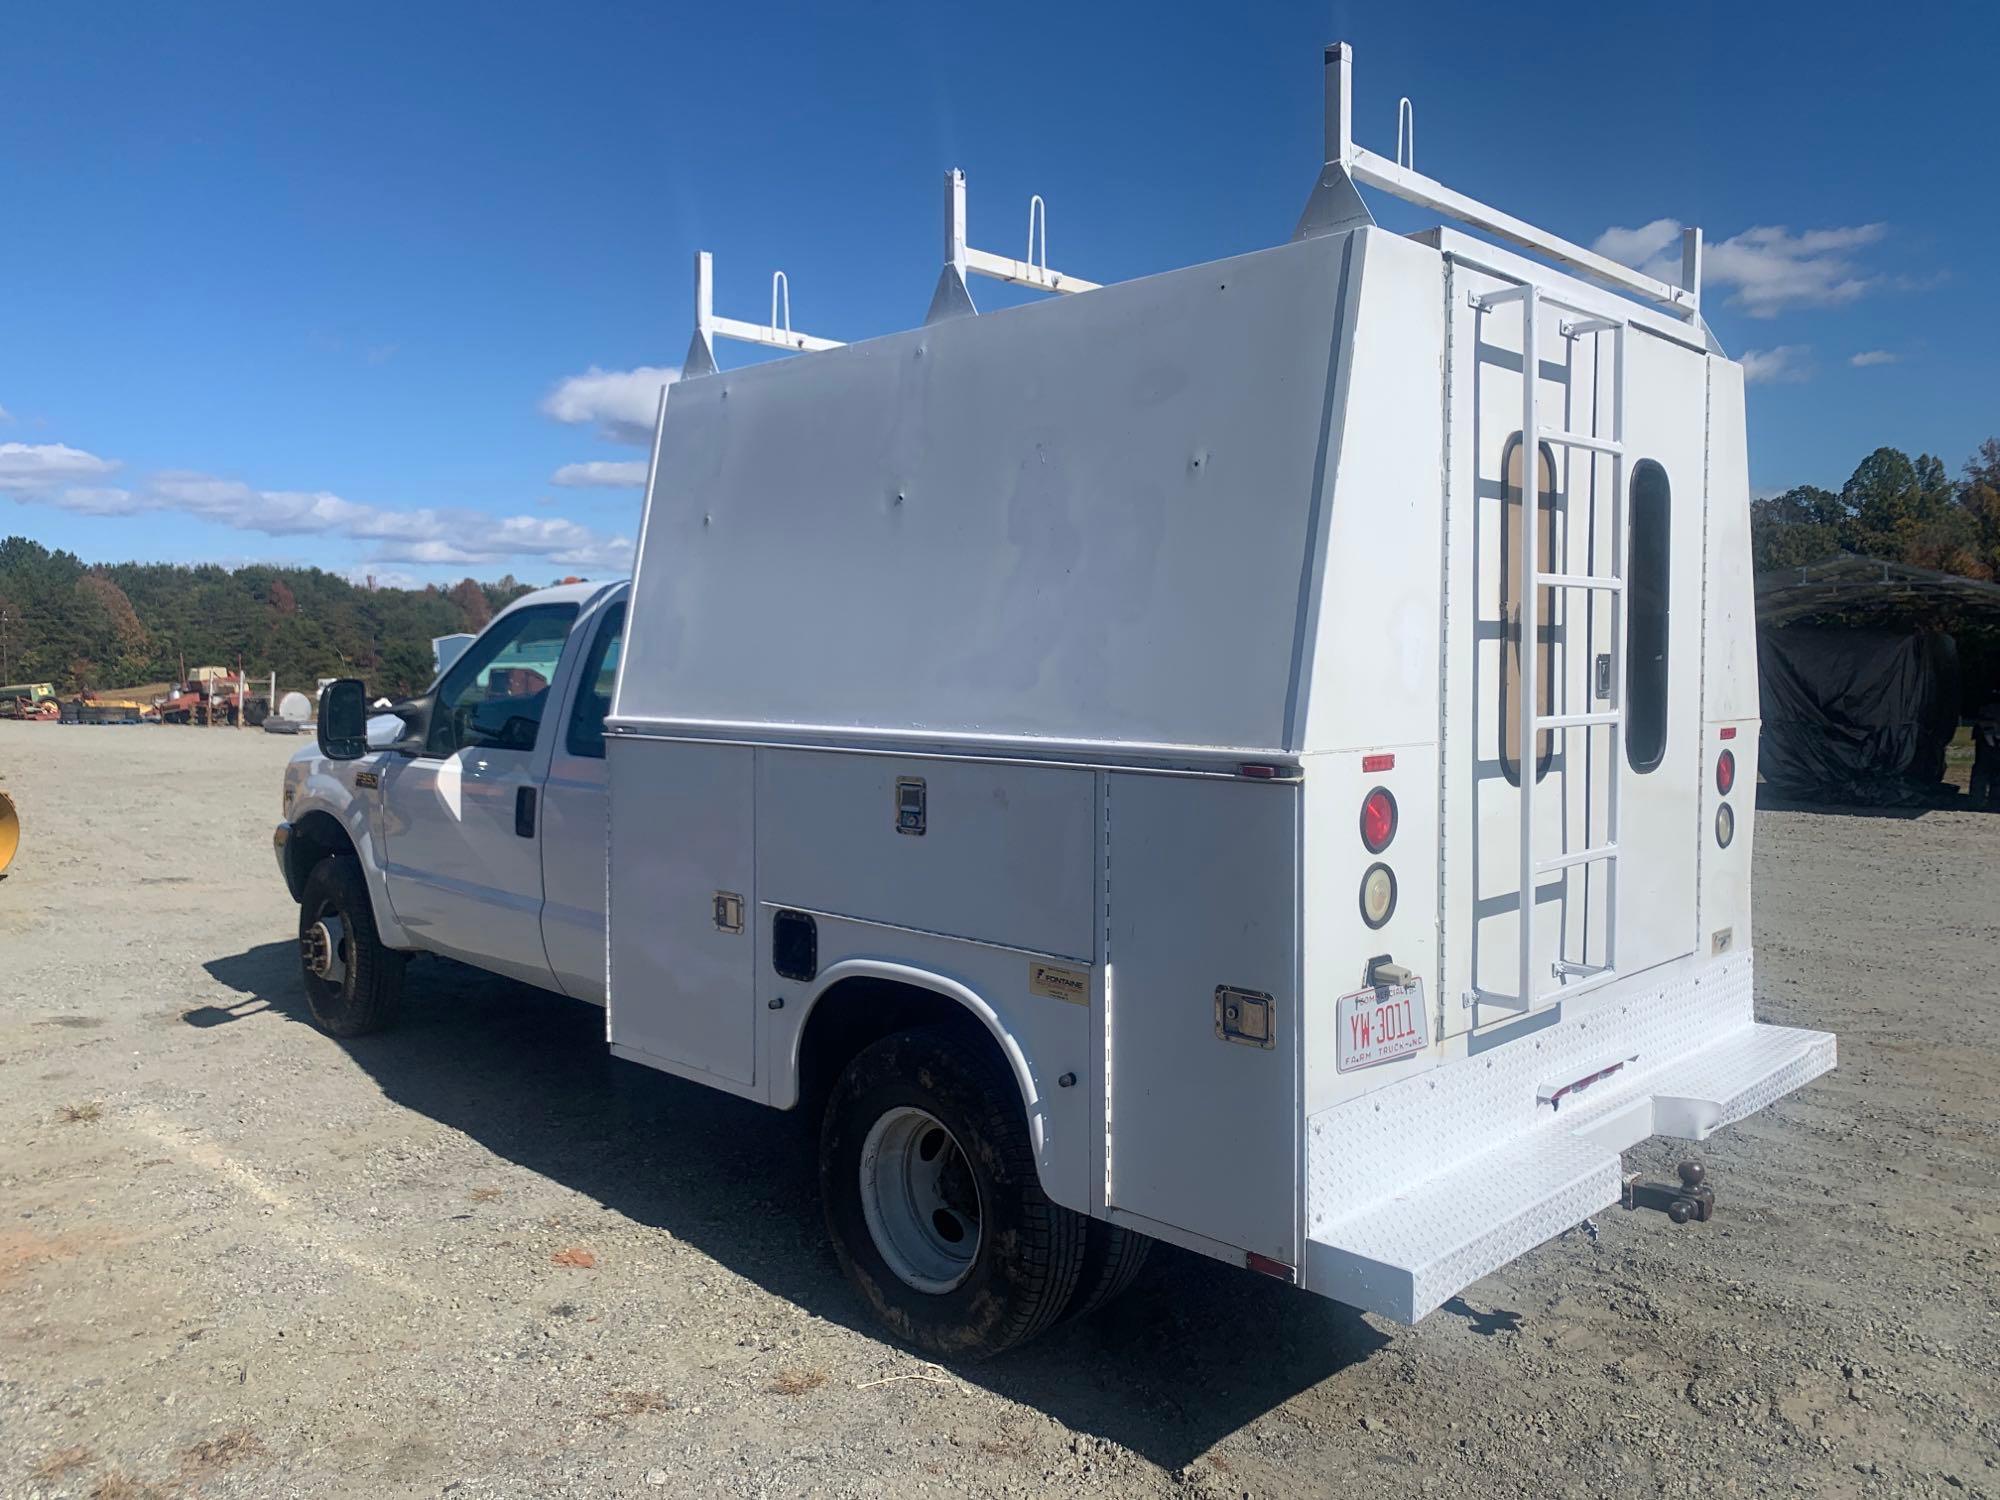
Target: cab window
(495, 694)
(593, 693)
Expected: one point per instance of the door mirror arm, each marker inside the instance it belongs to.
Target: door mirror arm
(416, 716)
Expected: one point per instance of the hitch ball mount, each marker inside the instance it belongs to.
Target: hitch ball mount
(1692, 1198)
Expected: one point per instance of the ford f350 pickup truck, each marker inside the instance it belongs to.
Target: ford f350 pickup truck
(1258, 756)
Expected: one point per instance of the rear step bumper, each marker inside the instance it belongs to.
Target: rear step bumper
(1490, 1168)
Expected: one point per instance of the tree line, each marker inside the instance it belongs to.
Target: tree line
(101, 627)
(1892, 507)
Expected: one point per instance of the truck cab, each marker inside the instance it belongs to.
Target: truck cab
(474, 821)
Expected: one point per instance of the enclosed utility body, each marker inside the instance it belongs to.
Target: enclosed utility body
(1139, 676)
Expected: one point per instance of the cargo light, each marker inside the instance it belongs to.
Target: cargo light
(1725, 772)
(1378, 820)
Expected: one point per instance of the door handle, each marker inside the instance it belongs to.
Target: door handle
(524, 811)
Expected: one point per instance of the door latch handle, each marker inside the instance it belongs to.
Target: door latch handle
(524, 811)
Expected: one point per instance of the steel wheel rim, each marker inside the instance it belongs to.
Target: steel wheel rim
(343, 953)
(920, 1200)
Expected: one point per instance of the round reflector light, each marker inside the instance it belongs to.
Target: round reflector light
(1378, 819)
(1378, 895)
(1725, 772)
(1725, 825)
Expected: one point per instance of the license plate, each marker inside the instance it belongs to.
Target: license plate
(1380, 1024)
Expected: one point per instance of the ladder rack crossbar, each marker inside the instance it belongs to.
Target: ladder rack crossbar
(1023, 272)
(770, 337)
(1413, 187)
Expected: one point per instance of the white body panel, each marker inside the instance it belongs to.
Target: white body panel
(684, 834)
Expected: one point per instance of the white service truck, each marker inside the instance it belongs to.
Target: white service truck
(1141, 765)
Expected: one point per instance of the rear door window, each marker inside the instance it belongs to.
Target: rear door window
(1648, 581)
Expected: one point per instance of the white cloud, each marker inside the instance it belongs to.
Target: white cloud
(622, 404)
(1784, 365)
(1768, 267)
(1644, 248)
(33, 468)
(98, 500)
(423, 535)
(1869, 357)
(48, 474)
(6, 415)
(604, 473)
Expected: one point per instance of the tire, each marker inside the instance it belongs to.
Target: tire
(367, 995)
(1013, 1264)
(1113, 1256)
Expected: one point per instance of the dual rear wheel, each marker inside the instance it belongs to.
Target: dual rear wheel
(935, 1208)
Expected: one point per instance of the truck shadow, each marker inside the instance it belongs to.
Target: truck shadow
(1193, 1352)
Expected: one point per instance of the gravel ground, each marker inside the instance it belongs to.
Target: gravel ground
(478, 1257)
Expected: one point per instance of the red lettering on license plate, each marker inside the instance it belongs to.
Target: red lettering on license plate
(1379, 1025)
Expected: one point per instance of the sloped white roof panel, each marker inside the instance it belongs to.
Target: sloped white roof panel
(1085, 521)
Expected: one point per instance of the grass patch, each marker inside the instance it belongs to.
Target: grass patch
(797, 1382)
(80, 1114)
(55, 1465)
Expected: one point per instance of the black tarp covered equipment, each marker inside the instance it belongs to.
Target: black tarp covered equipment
(1856, 714)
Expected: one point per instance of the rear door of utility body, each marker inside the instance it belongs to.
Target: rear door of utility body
(1638, 524)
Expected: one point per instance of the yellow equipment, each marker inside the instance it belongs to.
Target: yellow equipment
(10, 832)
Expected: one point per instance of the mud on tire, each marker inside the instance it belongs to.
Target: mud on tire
(1027, 1253)
(367, 995)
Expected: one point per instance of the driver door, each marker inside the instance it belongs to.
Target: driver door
(461, 819)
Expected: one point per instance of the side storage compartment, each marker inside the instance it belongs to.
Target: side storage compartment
(681, 905)
(1203, 1014)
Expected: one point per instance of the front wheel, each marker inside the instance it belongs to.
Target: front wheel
(932, 1199)
(353, 984)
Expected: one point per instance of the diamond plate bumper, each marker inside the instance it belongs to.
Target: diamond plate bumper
(1490, 1169)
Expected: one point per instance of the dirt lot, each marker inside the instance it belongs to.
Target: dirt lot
(477, 1257)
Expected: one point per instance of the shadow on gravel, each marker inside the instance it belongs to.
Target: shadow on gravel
(1195, 1351)
(1770, 801)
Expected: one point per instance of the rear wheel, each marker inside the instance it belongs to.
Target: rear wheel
(933, 1202)
(1113, 1256)
(353, 984)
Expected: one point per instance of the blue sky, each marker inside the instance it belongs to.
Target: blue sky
(381, 287)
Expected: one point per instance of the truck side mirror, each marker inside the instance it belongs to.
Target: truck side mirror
(343, 720)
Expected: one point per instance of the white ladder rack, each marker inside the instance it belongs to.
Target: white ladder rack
(1533, 580)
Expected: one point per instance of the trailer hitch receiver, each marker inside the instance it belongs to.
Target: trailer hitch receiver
(1692, 1198)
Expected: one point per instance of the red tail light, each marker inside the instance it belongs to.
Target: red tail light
(1725, 772)
(1378, 820)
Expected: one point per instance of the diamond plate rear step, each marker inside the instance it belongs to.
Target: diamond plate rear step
(1403, 1252)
